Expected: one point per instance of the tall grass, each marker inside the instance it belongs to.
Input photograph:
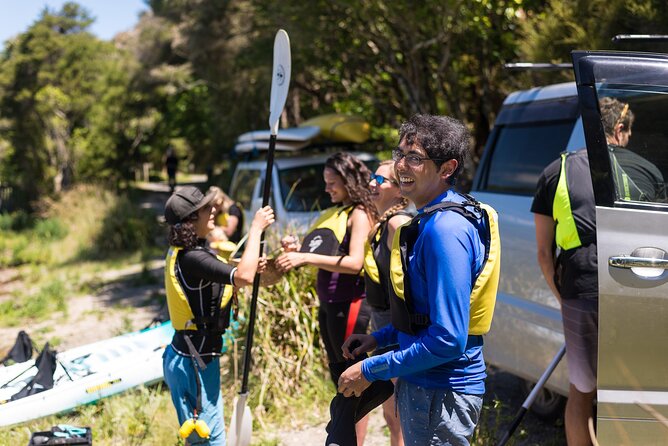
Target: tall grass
(50, 297)
(287, 367)
(144, 416)
(87, 222)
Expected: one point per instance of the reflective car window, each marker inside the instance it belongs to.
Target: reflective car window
(522, 151)
(243, 185)
(303, 189)
(636, 131)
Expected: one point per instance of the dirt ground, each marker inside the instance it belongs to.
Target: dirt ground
(92, 317)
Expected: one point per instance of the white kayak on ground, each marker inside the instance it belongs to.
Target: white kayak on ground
(291, 134)
(86, 374)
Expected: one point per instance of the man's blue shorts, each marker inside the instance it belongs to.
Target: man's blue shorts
(436, 417)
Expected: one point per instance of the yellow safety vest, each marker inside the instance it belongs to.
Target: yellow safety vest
(179, 309)
(566, 233)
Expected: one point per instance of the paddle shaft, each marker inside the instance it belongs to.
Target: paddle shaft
(256, 281)
(532, 396)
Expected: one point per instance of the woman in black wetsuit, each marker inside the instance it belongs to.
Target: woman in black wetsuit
(199, 287)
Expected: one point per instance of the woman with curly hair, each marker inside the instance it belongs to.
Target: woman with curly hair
(340, 287)
(199, 288)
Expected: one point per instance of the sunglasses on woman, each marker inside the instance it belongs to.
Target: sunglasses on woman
(381, 179)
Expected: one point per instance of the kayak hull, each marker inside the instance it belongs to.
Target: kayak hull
(86, 374)
(340, 127)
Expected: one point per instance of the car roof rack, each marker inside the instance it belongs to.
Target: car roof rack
(640, 38)
(531, 66)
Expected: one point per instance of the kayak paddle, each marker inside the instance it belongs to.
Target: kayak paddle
(241, 423)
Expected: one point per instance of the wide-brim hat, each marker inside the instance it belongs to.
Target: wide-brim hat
(185, 201)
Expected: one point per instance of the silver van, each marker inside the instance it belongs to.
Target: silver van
(532, 128)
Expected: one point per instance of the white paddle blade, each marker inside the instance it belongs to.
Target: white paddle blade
(280, 81)
(241, 423)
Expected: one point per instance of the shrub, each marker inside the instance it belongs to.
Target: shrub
(125, 227)
(16, 221)
(50, 229)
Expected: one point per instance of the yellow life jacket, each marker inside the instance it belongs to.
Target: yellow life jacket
(328, 231)
(372, 287)
(179, 309)
(483, 293)
(376, 294)
(370, 266)
(221, 218)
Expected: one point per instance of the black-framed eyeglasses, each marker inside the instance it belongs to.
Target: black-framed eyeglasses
(381, 179)
(412, 159)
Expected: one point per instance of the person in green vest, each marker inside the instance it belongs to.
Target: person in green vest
(636, 179)
(565, 216)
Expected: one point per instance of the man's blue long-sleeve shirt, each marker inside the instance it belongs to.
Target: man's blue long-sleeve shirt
(445, 260)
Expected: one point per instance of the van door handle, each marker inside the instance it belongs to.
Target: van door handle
(637, 262)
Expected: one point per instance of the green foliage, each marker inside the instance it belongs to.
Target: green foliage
(124, 227)
(104, 224)
(34, 306)
(50, 229)
(195, 74)
(27, 250)
(564, 25)
(53, 78)
(15, 221)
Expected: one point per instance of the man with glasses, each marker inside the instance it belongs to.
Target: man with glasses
(440, 364)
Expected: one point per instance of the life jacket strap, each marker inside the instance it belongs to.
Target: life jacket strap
(194, 354)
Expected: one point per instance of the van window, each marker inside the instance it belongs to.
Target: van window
(243, 185)
(522, 151)
(638, 159)
(303, 188)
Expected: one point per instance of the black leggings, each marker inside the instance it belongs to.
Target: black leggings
(337, 321)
